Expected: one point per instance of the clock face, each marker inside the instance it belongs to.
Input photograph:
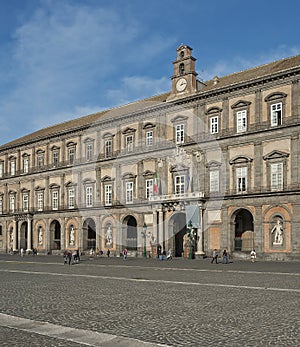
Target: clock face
(181, 84)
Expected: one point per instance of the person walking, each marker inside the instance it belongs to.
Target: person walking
(215, 256)
(108, 253)
(69, 256)
(225, 257)
(253, 256)
(125, 252)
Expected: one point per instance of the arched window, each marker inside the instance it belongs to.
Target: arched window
(181, 69)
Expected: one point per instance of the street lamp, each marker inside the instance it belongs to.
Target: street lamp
(144, 237)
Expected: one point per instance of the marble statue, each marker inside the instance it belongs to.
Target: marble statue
(40, 236)
(108, 236)
(72, 237)
(278, 230)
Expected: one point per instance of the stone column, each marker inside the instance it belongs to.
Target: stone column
(161, 228)
(29, 235)
(200, 235)
(15, 235)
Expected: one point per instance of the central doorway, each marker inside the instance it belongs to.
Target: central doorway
(178, 224)
(244, 231)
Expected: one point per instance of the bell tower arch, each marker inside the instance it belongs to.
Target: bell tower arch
(184, 79)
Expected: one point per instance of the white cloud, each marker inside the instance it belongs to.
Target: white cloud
(66, 56)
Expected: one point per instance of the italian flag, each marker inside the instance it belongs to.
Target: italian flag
(155, 186)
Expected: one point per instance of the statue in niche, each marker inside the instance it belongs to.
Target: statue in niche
(278, 233)
(72, 237)
(40, 236)
(108, 237)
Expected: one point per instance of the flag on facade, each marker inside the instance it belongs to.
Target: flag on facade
(155, 186)
(187, 182)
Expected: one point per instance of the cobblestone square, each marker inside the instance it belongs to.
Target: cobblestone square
(146, 302)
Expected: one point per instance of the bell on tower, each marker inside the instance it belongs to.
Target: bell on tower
(184, 78)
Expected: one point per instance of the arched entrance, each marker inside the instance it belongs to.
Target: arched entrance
(23, 236)
(178, 225)
(89, 234)
(130, 233)
(243, 230)
(55, 236)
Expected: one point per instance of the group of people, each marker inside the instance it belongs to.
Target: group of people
(68, 256)
(215, 256)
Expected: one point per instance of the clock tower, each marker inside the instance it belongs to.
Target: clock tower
(184, 80)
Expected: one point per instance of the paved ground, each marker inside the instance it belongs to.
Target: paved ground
(146, 302)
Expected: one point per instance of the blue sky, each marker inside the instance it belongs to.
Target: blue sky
(62, 59)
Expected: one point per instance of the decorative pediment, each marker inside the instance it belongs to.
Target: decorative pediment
(148, 173)
(178, 119)
(88, 181)
(40, 151)
(70, 184)
(71, 144)
(39, 188)
(129, 130)
(213, 110)
(128, 176)
(88, 139)
(12, 157)
(54, 148)
(179, 168)
(54, 186)
(107, 135)
(240, 104)
(213, 164)
(240, 159)
(275, 96)
(149, 126)
(107, 179)
(275, 155)
(25, 190)
(25, 155)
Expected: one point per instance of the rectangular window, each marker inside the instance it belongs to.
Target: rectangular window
(71, 154)
(12, 167)
(89, 196)
(1, 205)
(277, 176)
(149, 188)
(214, 181)
(12, 203)
(54, 200)
(108, 194)
(1, 168)
(241, 179)
(180, 133)
(55, 158)
(241, 121)
(180, 184)
(25, 202)
(108, 148)
(25, 165)
(149, 138)
(214, 125)
(129, 143)
(40, 201)
(71, 197)
(129, 192)
(276, 114)
(40, 161)
(89, 151)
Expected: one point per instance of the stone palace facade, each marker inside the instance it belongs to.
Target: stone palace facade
(218, 157)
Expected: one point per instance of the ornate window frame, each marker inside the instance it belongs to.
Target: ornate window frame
(276, 157)
(273, 99)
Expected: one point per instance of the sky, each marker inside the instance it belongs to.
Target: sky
(63, 59)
